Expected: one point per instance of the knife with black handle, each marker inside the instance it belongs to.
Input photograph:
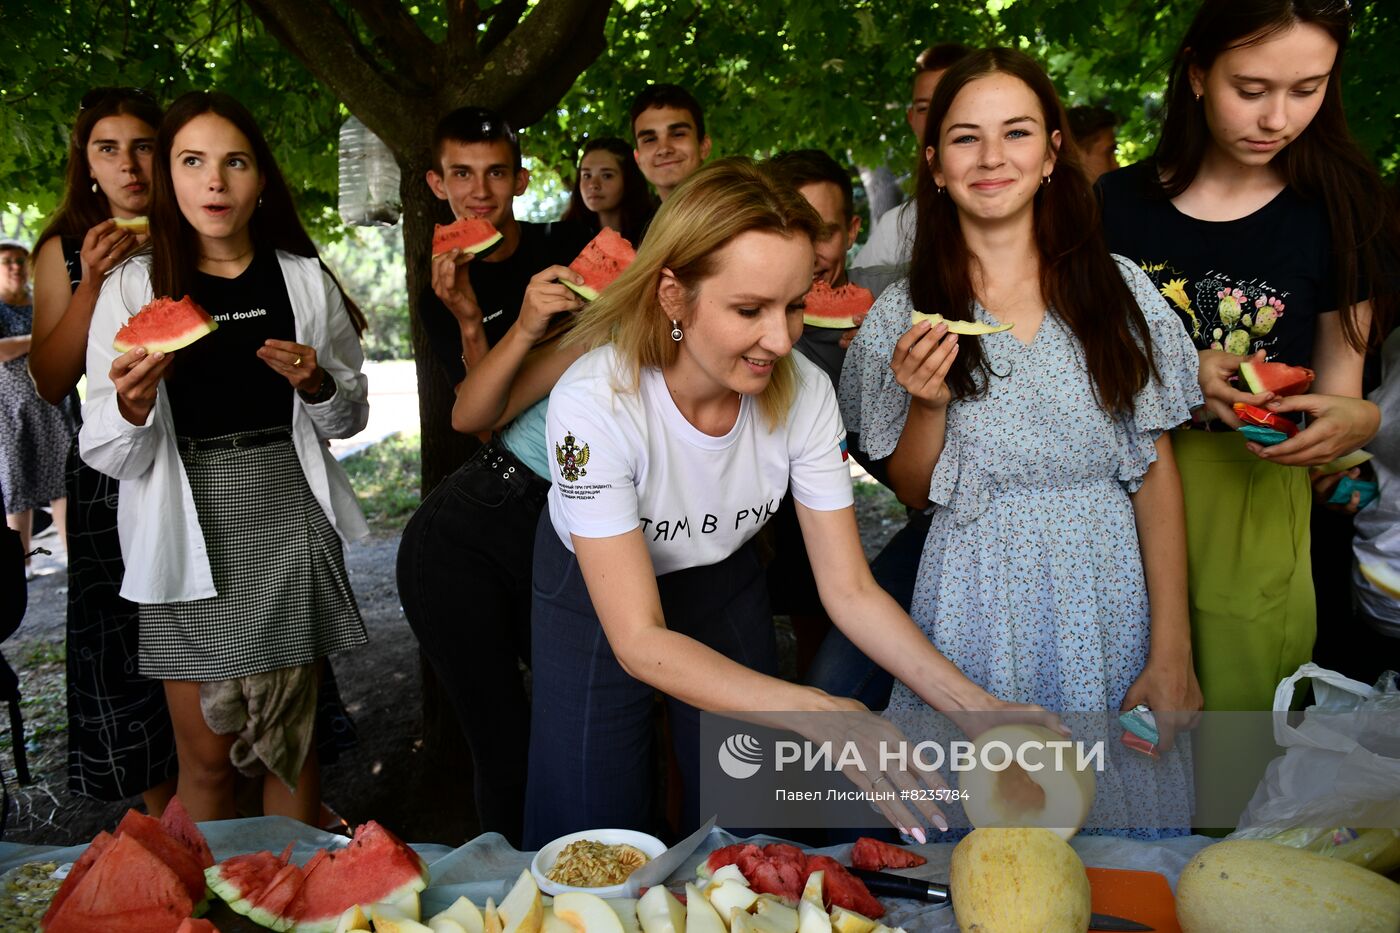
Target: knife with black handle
(890, 885)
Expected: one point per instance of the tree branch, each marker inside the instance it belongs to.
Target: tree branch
(315, 33)
(537, 62)
(398, 37)
(460, 48)
(505, 16)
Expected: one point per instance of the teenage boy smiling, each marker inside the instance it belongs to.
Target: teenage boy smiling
(669, 127)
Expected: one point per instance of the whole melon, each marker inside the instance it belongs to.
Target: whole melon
(1018, 881)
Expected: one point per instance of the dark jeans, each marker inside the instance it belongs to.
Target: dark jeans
(840, 668)
(464, 581)
(592, 759)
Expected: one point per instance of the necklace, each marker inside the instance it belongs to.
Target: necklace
(240, 256)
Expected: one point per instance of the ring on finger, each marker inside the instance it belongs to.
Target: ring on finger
(296, 363)
(876, 783)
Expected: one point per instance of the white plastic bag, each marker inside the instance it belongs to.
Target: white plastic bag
(1340, 773)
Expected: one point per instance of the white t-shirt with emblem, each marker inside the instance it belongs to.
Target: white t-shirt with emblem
(624, 459)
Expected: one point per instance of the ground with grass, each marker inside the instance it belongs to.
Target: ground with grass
(389, 776)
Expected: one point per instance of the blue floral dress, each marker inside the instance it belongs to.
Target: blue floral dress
(1031, 579)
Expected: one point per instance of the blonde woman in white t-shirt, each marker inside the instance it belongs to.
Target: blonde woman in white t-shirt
(671, 441)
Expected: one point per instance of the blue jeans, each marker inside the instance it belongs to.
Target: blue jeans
(839, 667)
(592, 760)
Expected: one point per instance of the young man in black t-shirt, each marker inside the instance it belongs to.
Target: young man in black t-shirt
(473, 301)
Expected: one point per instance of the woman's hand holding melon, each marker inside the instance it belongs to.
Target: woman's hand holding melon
(1337, 425)
(1217, 369)
(544, 298)
(106, 245)
(294, 361)
(135, 376)
(921, 361)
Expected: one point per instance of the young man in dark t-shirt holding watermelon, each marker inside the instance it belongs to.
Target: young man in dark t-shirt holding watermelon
(466, 610)
(473, 301)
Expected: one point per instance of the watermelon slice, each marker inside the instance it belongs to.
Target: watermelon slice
(177, 825)
(165, 325)
(474, 235)
(1278, 378)
(240, 879)
(838, 308)
(375, 867)
(1253, 414)
(81, 867)
(844, 889)
(128, 889)
(173, 853)
(137, 225)
(964, 328)
(874, 855)
(191, 925)
(601, 262)
(277, 905)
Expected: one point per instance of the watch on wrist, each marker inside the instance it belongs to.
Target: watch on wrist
(322, 393)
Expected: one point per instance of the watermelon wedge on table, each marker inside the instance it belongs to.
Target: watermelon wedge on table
(601, 262)
(164, 326)
(177, 825)
(874, 855)
(126, 890)
(473, 235)
(172, 852)
(839, 308)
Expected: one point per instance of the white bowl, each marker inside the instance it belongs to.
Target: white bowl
(545, 858)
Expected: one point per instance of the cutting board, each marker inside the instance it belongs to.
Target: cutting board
(1144, 896)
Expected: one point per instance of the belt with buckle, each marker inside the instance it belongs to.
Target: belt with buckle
(235, 441)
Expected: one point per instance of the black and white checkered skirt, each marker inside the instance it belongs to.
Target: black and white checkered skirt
(284, 598)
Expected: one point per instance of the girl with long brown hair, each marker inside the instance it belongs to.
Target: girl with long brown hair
(1054, 568)
(1263, 223)
(233, 512)
(120, 741)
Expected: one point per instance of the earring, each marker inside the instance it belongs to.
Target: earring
(1198, 98)
(938, 189)
(94, 187)
(259, 200)
(1044, 180)
(676, 334)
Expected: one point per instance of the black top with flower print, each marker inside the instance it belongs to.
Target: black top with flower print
(1256, 283)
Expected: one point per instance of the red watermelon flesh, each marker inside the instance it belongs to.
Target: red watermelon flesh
(177, 825)
(191, 925)
(728, 855)
(80, 868)
(473, 235)
(1278, 378)
(164, 326)
(601, 262)
(278, 905)
(147, 831)
(844, 889)
(239, 880)
(874, 855)
(128, 889)
(375, 867)
(841, 308)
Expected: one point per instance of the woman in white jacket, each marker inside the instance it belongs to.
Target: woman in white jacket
(233, 512)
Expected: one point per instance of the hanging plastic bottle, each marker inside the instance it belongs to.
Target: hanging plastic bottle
(369, 178)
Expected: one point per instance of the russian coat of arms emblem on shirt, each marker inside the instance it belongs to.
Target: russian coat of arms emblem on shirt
(571, 458)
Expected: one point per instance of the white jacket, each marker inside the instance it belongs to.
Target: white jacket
(161, 540)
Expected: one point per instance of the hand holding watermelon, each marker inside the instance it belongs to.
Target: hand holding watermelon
(1336, 425)
(452, 283)
(545, 296)
(1218, 368)
(135, 376)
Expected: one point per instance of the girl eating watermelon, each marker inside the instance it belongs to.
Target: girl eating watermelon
(1054, 570)
(233, 512)
(669, 442)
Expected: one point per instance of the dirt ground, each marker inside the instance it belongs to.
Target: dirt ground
(389, 776)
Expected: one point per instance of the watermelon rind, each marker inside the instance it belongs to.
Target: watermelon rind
(584, 292)
(962, 328)
(835, 323)
(478, 248)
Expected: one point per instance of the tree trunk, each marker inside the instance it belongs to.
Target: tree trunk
(881, 190)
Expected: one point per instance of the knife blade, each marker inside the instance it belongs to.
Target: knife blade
(660, 868)
(932, 892)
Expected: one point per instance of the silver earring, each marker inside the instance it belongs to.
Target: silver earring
(1198, 98)
(259, 200)
(938, 189)
(1044, 180)
(676, 334)
(94, 187)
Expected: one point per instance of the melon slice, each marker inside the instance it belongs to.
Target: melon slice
(963, 328)
(1344, 462)
(137, 225)
(836, 307)
(601, 262)
(1019, 879)
(374, 868)
(473, 235)
(1054, 798)
(177, 825)
(128, 889)
(658, 911)
(1278, 378)
(164, 326)
(1382, 578)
